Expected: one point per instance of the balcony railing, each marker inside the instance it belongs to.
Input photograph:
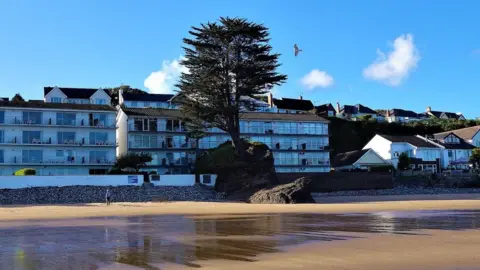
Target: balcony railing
(53, 142)
(53, 122)
(168, 162)
(60, 161)
(163, 145)
(302, 161)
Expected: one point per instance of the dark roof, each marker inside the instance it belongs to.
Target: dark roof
(153, 112)
(325, 107)
(63, 106)
(358, 108)
(464, 133)
(4, 99)
(83, 93)
(147, 97)
(449, 115)
(293, 104)
(403, 113)
(461, 145)
(413, 140)
(348, 158)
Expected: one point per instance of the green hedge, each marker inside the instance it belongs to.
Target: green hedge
(26, 171)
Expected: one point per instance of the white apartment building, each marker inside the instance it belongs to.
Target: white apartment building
(299, 141)
(64, 134)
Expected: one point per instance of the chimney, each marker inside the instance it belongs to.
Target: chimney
(270, 99)
(338, 107)
(301, 98)
(387, 113)
(120, 96)
(429, 109)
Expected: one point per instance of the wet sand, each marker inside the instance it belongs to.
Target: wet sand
(439, 250)
(366, 204)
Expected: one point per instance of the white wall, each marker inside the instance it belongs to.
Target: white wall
(380, 145)
(14, 182)
(122, 133)
(100, 94)
(178, 180)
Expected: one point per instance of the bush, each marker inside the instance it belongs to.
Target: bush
(26, 171)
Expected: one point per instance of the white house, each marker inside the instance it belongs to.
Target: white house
(358, 159)
(353, 112)
(59, 137)
(444, 115)
(423, 153)
(402, 116)
(470, 135)
(76, 95)
(456, 152)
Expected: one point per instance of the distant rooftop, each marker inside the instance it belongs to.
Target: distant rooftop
(147, 97)
(80, 93)
(38, 104)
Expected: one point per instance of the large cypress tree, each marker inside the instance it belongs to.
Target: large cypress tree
(228, 61)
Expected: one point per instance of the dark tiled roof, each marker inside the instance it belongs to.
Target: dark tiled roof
(152, 112)
(403, 113)
(63, 106)
(4, 99)
(293, 104)
(462, 145)
(348, 158)
(464, 133)
(449, 115)
(325, 107)
(147, 97)
(83, 93)
(359, 108)
(413, 140)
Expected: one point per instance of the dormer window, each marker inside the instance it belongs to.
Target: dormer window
(56, 100)
(451, 139)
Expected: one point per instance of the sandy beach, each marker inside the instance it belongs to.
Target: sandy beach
(359, 204)
(438, 250)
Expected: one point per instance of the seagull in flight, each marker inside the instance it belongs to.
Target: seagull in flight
(296, 49)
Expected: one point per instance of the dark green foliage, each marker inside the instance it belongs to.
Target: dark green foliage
(18, 99)
(475, 157)
(366, 117)
(352, 135)
(26, 171)
(227, 61)
(403, 161)
(113, 92)
(132, 160)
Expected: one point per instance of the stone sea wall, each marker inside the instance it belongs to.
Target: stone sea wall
(96, 194)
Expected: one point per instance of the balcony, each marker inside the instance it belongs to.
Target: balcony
(50, 122)
(162, 145)
(67, 161)
(301, 162)
(165, 162)
(17, 141)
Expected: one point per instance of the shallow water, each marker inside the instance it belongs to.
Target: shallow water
(150, 242)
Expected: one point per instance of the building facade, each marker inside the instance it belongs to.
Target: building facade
(299, 141)
(57, 138)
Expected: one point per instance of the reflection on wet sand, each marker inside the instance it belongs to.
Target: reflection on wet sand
(149, 242)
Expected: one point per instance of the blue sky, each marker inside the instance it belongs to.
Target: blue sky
(431, 49)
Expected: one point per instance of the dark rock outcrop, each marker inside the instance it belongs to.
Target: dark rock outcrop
(295, 192)
(240, 177)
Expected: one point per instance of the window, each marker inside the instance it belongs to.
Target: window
(2, 136)
(98, 156)
(66, 119)
(100, 101)
(32, 117)
(65, 137)
(32, 156)
(2, 117)
(98, 138)
(2, 160)
(145, 141)
(147, 104)
(65, 155)
(98, 120)
(133, 104)
(145, 124)
(56, 100)
(31, 137)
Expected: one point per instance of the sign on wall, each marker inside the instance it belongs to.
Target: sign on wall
(133, 179)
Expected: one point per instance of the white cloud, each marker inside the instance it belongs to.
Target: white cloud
(317, 79)
(393, 68)
(163, 81)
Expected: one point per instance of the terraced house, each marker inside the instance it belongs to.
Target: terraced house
(299, 141)
(71, 131)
